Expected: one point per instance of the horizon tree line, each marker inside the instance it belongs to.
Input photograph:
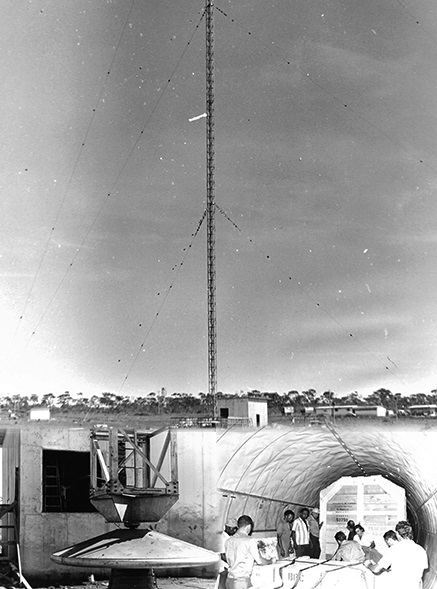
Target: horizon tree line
(160, 402)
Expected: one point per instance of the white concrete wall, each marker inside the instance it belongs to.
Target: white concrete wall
(236, 407)
(42, 413)
(194, 517)
(258, 408)
(41, 534)
(10, 463)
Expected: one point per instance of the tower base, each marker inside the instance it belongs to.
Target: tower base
(132, 579)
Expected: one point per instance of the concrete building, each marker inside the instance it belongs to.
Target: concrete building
(39, 414)
(250, 411)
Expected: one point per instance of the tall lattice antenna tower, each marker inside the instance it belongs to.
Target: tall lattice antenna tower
(210, 206)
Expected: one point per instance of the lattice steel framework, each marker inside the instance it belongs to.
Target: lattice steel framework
(210, 208)
(133, 474)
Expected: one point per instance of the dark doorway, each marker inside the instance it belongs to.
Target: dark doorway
(66, 482)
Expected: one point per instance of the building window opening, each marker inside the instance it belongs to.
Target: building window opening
(66, 482)
(224, 412)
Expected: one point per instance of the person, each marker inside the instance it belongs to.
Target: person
(229, 530)
(314, 528)
(348, 550)
(367, 543)
(406, 560)
(283, 533)
(241, 554)
(390, 538)
(362, 537)
(351, 529)
(300, 534)
(231, 526)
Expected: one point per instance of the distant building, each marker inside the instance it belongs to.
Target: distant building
(39, 413)
(249, 410)
(423, 410)
(349, 410)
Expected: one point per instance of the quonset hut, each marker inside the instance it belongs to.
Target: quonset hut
(262, 472)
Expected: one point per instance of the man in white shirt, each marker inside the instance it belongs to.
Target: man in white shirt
(406, 559)
(230, 529)
(241, 555)
(367, 543)
(362, 537)
(390, 538)
(300, 533)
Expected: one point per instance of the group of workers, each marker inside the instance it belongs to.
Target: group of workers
(296, 537)
(299, 536)
(355, 545)
(405, 560)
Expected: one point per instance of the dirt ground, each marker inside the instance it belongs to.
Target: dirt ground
(162, 583)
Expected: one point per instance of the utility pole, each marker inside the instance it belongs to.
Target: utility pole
(210, 206)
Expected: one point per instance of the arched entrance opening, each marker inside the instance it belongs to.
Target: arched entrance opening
(374, 502)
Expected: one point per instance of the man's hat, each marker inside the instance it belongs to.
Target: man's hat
(231, 522)
(315, 510)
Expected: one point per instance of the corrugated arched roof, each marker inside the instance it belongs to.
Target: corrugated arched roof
(261, 471)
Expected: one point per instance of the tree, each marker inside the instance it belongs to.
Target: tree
(292, 396)
(382, 397)
(48, 399)
(207, 402)
(419, 399)
(82, 404)
(94, 402)
(387, 399)
(108, 400)
(65, 400)
(275, 402)
(309, 396)
(34, 399)
(6, 402)
(328, 396)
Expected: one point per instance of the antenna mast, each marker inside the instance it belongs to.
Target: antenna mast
(210, 206)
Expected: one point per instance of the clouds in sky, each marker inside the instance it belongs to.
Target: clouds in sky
(325, 128)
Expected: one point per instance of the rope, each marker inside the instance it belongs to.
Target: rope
(345, 447)
(317, 303)
(324, 573)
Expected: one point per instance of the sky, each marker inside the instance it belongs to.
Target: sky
(325, 177)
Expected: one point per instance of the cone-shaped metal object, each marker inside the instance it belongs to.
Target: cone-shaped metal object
(135, 549)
